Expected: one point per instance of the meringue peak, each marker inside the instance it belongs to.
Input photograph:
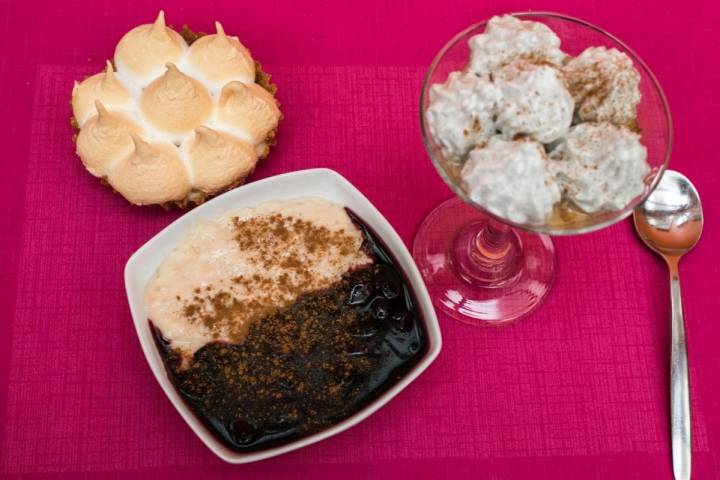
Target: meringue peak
(175, 102)
(109, 72)
(152, 173)
(203, 130)
(159, 23)
(143, 149)
(207, 135)
(158, 30)
(249, 108)
(234, 90)
(105, 139)
(220, 31)
(101, 110)
(171, 69)
(237, 93)
(220, 58)
(173, 78)
(103, 86)
(146, 48)
(216, 157)
(145, 152)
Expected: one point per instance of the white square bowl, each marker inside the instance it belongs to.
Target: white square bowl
(322, 183)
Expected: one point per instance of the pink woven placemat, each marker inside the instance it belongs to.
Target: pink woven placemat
(577, 390)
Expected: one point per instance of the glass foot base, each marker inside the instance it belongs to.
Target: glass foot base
(479, 271)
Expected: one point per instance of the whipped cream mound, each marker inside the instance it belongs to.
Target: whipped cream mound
(461, 111)
(230, 272)
(600, 166)
(534, 102)
(506, 38)
(605, 85)
(200, 100)
(512, 180)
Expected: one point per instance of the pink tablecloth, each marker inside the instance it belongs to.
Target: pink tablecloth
(577, 390)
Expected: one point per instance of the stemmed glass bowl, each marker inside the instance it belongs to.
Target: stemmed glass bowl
(482, 269)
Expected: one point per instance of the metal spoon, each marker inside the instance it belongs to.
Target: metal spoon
(670, 222)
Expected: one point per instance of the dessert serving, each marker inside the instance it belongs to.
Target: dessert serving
(537, 136)
(176, 117)
(541, 124)
(281, 320)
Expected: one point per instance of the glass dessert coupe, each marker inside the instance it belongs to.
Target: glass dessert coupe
(482, 269)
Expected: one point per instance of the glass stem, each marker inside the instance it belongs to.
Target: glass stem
(487, 253)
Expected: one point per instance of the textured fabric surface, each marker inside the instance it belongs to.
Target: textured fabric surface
(577, 390)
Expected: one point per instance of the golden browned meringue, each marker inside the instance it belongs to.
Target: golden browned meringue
(152, 173)
(219, 59)
(189, 152)
(144, 50)
(104, 139)
(103, 86)
(175, 103)
(216, 158)
(248, 108)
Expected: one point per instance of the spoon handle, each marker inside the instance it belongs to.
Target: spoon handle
(679, 384)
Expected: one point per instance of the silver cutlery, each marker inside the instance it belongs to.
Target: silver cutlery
(670, 222)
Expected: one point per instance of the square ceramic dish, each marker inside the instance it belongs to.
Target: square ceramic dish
(322, 183)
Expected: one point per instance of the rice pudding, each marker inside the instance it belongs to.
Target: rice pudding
(281, 320)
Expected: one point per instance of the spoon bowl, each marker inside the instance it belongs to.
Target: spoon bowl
(670, 222)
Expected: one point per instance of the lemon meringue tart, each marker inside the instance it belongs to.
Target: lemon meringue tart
(176, 117)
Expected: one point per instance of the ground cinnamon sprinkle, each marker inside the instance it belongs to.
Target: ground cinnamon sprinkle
(287, 248)
(590, 82)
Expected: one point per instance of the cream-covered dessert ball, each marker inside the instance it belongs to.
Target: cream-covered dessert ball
(600, 166)
(605, 85)
(534, 102)
(506, 38)
(461, 112)
(512, 180)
